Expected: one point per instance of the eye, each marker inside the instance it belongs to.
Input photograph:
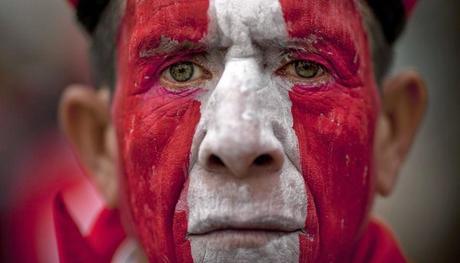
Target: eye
(183, 73)
(303, 70)
(306, 69)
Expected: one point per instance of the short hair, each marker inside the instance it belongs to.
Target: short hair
(104, 44)
(104, 37)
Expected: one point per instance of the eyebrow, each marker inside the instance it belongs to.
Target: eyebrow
(316, 41)
(149, 48)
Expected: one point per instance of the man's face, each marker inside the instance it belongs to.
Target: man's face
(245, 128)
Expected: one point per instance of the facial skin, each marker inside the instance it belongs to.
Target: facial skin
(246, 129)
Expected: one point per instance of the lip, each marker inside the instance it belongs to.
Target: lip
(234, 232)
(240, 238)
(265, 222)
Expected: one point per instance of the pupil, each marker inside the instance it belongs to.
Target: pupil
(306, 69)
(182, 72)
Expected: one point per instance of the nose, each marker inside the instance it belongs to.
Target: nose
(239, 139)
(240, 156)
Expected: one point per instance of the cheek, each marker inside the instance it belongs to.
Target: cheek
(155, 132)
(335, 130)
(154, 127)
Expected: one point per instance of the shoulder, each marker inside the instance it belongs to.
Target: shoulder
(378, 245)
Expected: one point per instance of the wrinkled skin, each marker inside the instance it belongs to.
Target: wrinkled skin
(247, 156)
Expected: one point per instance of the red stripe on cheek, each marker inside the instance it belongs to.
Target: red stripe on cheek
(155, 135)
(335, 130)
(155, 127)
(334, 126)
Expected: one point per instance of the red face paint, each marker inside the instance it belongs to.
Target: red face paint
(334, 124)
(335, 127)
(154, 125)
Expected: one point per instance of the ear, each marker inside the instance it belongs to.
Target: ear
(84, 115)
(404, 101)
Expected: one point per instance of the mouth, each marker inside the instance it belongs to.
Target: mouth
(241, 238)
(252, 234)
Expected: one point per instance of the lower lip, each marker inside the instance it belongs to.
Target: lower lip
(232, 239)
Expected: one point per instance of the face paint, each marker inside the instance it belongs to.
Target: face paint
(279, 169)
(259, 209)
(335, 127)
(155, 125)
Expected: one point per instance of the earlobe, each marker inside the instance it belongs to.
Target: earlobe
(84, 115)
(404, 100)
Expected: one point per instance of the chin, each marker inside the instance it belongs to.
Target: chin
(246, 246)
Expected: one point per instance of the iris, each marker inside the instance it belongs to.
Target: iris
(182, 72)
(306, 69)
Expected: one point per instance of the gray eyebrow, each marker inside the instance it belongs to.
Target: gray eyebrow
(166, 46)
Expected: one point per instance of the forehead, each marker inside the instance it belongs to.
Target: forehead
(153, 20)
(150, 22)
(304, 17)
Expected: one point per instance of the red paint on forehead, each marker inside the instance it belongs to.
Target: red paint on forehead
(151, 20)
(155, 126)
(332, 29)
(307, 17)
(335, 128)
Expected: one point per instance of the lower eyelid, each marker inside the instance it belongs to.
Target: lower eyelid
(171, 83)
(321, 80)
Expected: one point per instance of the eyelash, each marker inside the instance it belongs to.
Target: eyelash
(320, 66)
(323, 77)
(203, 70)
(332, 73)
(290, 57)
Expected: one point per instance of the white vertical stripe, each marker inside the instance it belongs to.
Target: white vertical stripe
(246, 87)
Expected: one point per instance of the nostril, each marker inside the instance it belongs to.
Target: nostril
(215, 161)
(263, 160)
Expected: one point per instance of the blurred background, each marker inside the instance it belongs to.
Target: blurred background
(42, 51)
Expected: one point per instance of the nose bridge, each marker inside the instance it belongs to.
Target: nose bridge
(236, 104)
(239, 138)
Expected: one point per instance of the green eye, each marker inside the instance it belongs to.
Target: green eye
(308, 70)
(182, 72)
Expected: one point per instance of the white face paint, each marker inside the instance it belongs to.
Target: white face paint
(246, 196)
